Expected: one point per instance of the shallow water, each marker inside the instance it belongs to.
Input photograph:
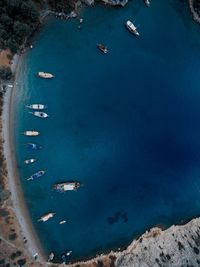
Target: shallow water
(125, 124)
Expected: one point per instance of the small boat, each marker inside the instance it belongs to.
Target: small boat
(51, 256)
(103, 48)
(65, 255)
(34, 146)
(40, 114)
(28, 161)
(36, 175)
(67, 186)
(69, 253)
(62, 222)
(147, 2)
(131, 27)
(46, 217)
(45, 75)
(36, 106)
(31, 133)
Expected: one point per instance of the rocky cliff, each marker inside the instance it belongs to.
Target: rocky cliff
(177, 246)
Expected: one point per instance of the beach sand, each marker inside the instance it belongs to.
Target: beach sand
(27, 231)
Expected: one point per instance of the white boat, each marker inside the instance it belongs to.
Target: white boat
(40, 114)
(28, 161)
(46, 217)
(69, 253)
(62, 222)
(147, 2)
(131, 27)
(67, 186)
(36, 106)
(51, 256)
(45, 75)
(31, 133)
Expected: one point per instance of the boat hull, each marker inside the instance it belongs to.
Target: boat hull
(67, 186)
(31, 133)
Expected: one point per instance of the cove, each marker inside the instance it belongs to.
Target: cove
(126, 125)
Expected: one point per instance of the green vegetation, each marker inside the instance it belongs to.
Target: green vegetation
(5, 73)
(60, 5)
(18, 18)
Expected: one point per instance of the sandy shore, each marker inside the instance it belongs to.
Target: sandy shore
(32, 246)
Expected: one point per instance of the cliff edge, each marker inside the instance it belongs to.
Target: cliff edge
(176, 246)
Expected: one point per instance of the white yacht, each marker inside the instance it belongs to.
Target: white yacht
(45, 75)
(36, 106)
(147, 2)
(40, 114)
(31, 133)
(29, 161)
(62, 222)
(46, 217)
(132, 28)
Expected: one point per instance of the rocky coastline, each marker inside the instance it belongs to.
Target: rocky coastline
(175, 246)
(194, 12)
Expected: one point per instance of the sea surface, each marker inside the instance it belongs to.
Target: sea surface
(125, 124)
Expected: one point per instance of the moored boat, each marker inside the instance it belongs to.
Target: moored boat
(29, 161)
(62, 222)
(31, 133)
(46, 217)
(36, 175)
(51, 256)
(33, 146)
(36, 106)
(147, 2)
(131, 27)
(66, 186)
(45, 75)
(40, 114)
(103, 48)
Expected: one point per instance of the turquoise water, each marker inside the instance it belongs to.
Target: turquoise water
(125, 124)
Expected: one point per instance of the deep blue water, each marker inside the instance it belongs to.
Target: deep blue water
(125, 124)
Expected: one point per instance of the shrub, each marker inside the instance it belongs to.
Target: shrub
(5, 73)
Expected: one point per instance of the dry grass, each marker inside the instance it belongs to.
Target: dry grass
(4, 61)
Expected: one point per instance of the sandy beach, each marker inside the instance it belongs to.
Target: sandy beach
(32, 245)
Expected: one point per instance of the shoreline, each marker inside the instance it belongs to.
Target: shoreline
(21, 212)
(196, 17)
(27, 230)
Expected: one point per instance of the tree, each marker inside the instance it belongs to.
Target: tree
(5, 73)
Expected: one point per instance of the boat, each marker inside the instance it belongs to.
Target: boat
(36, 175)
(36, 106)
(103, 48)
(147, 2)
(66, 186)
(51, 256)
(62, 222)
(65, 255)
(31, 133)
(46, 217)
(28, 161)
(69, 253)
(40, 114)
(131, 27)
(34, 146)
(45, 75)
